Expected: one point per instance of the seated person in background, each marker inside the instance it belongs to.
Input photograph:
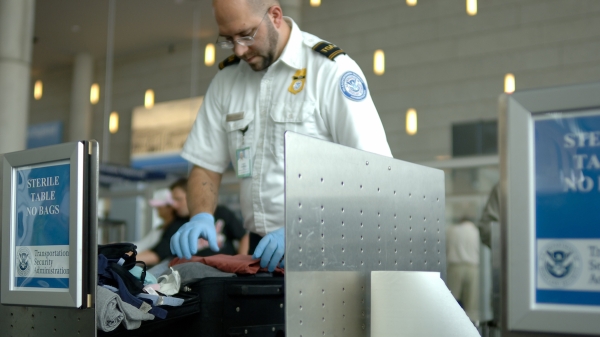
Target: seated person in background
(163, 202)
(162, 249)
(231, 229)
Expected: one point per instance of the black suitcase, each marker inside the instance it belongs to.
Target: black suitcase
(239, 306)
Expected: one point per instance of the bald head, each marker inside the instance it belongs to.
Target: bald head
(258, 7)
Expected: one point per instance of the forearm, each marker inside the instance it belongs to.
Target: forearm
(244, 245)
(149, 257)
(203, 190)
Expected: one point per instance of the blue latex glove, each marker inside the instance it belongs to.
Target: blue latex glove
(184, 243)
(270, 250)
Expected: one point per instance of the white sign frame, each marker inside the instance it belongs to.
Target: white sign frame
(517, 158)
(76, 155)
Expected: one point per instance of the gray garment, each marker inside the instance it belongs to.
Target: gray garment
(111, 311)
(193, 270)
(491, 213)
(160, 268)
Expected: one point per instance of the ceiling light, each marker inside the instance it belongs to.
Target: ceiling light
(209, 55)
(315, 3)
(113, 122)
(411, 2)
(509, 83)
(472, 7)
(149, 99)
(379, 62)
(94, 93)
(411, 122)
(38, 90)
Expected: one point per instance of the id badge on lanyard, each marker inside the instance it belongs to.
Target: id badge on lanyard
(244, 167)
(243, 160)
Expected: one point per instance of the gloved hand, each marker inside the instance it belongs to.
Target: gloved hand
(270, 250)
(184, 243)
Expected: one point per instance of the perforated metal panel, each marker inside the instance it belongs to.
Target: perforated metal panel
(19, 321)
(350, 212)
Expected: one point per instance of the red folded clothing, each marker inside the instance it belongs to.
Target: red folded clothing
(239, 264)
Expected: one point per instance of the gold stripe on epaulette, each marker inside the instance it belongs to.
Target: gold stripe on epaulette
(330, 50)
(318, 44)
(335, 54)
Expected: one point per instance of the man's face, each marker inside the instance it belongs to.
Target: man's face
(235, 19)
(165, 212)
(180, 202)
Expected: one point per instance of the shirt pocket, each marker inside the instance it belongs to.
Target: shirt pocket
(240, 130)
(298, 117)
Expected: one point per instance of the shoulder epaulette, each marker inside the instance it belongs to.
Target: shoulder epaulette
(229, 61)
(330, 50)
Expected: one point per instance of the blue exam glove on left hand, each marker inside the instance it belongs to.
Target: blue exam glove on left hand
(270, 250)
(184, 243)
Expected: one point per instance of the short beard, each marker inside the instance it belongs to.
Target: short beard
(272, 39)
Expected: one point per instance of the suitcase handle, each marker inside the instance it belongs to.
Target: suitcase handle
(254, 290)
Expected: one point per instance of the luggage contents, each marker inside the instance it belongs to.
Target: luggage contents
(190, 298)
(239, 264)
(124, 294)
(117, 251)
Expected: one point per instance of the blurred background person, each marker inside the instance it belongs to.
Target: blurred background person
(462, 249)
(162, 250)
(232, 237)
(163, 203)
(491, 213)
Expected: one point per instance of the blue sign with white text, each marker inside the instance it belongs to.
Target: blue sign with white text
(567, 186)
(42, 200)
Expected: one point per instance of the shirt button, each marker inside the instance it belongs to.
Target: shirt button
(290, 116)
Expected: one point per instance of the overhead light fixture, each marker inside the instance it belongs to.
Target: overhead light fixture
(209, 55)
(315, 3)
(94, 93)
(509, 83)
(113, 122)
(149, 99)
(411, 2)
(379, 62)
(472, 7)
(411, 122)
(38, 89)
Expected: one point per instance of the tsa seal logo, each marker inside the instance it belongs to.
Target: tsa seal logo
(23, 262)
(353, 86)
(560, 264)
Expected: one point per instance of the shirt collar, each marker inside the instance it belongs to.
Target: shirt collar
(291, 54)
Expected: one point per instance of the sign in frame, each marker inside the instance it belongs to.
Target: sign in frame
(44, 214)
(550, 172)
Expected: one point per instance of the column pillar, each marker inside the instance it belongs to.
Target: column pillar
(293, 9)
(81, 108)
(16, 40)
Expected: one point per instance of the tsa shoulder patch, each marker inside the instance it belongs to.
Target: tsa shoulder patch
(330, 50)
(229, 61)
(353, 86)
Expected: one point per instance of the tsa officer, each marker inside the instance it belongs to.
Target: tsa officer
(278, 78)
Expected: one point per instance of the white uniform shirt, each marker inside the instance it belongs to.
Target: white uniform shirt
(462, 243)
(331, 103)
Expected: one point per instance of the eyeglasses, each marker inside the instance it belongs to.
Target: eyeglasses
(245, 41)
